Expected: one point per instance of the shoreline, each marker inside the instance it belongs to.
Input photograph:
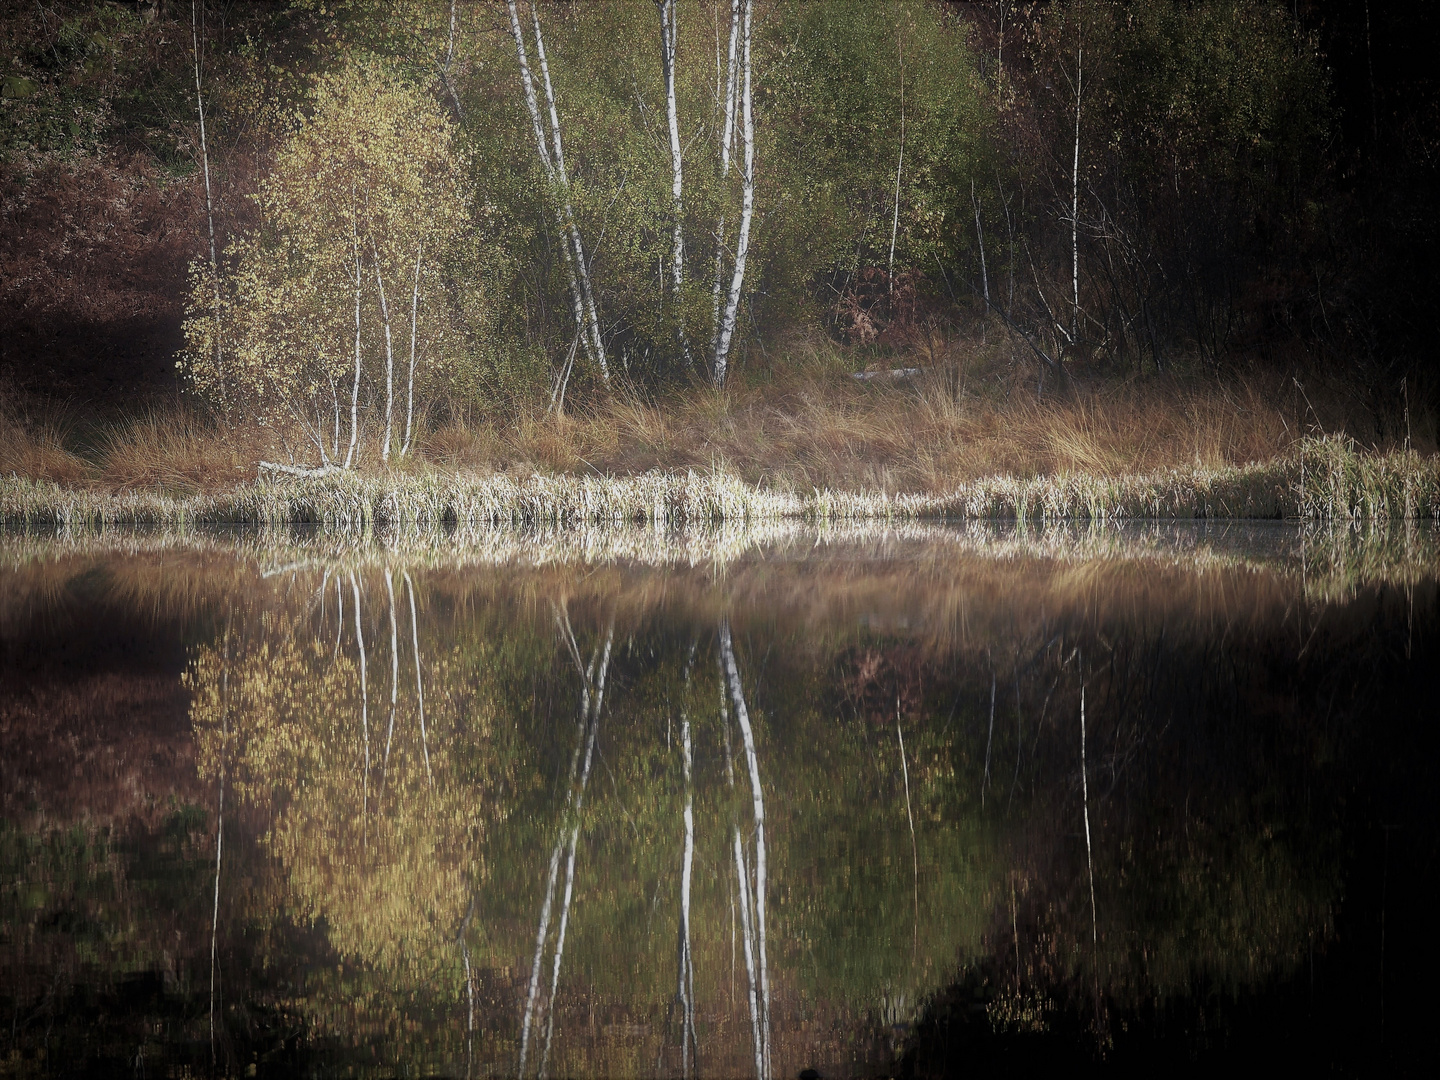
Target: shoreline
(1327, 478)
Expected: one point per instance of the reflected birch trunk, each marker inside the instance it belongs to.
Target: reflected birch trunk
(1085, 797)
(685, 962)
(910, 816)
(394, 680)
(592, 691)
(364, 703)
(219, 843)
(419, 683)
(760, 1013)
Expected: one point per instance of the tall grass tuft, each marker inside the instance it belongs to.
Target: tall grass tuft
(1325, 478)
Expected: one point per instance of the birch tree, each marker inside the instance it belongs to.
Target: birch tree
(363, 201)
(725, 331)
(668, 41)
(552, 160)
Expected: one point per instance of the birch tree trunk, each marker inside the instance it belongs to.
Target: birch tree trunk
(980, 237)
(389, 355)
(581, 264)
(668, 38)
(899, 164)
(727, 142)
(573, 250)
(747, 203)
(355, 387)
(414, 324)
(1075, 203)
(209, 204)
(757, 799)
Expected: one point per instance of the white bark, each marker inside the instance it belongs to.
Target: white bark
(389, 355)
(747, 204)
(980, 236)
(414, 324)
(364, 697)
(219, 846)
(209, 203)
(592, 694)
(668, 39)
(1085, 795)
(727, 141)
(419, 683)
(394, 680)
(574, 267)
(757, 797)
(899, 164)
(1075, 204)
(582, 265)
(445, 68)
(355, 388)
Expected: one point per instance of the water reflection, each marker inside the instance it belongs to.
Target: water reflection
(854, 809)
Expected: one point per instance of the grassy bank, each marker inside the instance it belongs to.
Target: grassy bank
(1320, 478)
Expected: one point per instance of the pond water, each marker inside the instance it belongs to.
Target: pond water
(639, 804)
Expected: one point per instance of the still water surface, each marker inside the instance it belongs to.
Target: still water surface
(915, 804)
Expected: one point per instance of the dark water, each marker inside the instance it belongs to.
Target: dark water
(909, 805)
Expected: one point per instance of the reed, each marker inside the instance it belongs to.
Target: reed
(1323, 478)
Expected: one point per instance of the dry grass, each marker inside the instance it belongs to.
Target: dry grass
(968, 437)
(809, 426)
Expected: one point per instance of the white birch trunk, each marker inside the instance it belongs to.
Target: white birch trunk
(757, 797)
(414, 324)
(582, 266)
(980, 237)
(899, 164)
(209, 204)
(1085, 796)
(727, 141)
(394, 680)
(668, 38)
(547, 162)
(419, 683)
(364, 699)
(389, 356)
(355, 387)
(747, 205)
(1075, 204)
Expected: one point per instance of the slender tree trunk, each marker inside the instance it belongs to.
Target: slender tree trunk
(757, 797)
(445, 68)
(209, 203)
(582, 265)
(592, 692)
(1085, 795)
(394, 680)
(1075, 204)
(1000, 48)
(727, 142)
(899, 165)
(685, 978)
(219, 847)
(747, 202)
(389, 356)
(419, 683)
(414, 324)
(910, 817)
(364, 700)
(355, 387)
(573, 267)
(980, 236)
(669, 36)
